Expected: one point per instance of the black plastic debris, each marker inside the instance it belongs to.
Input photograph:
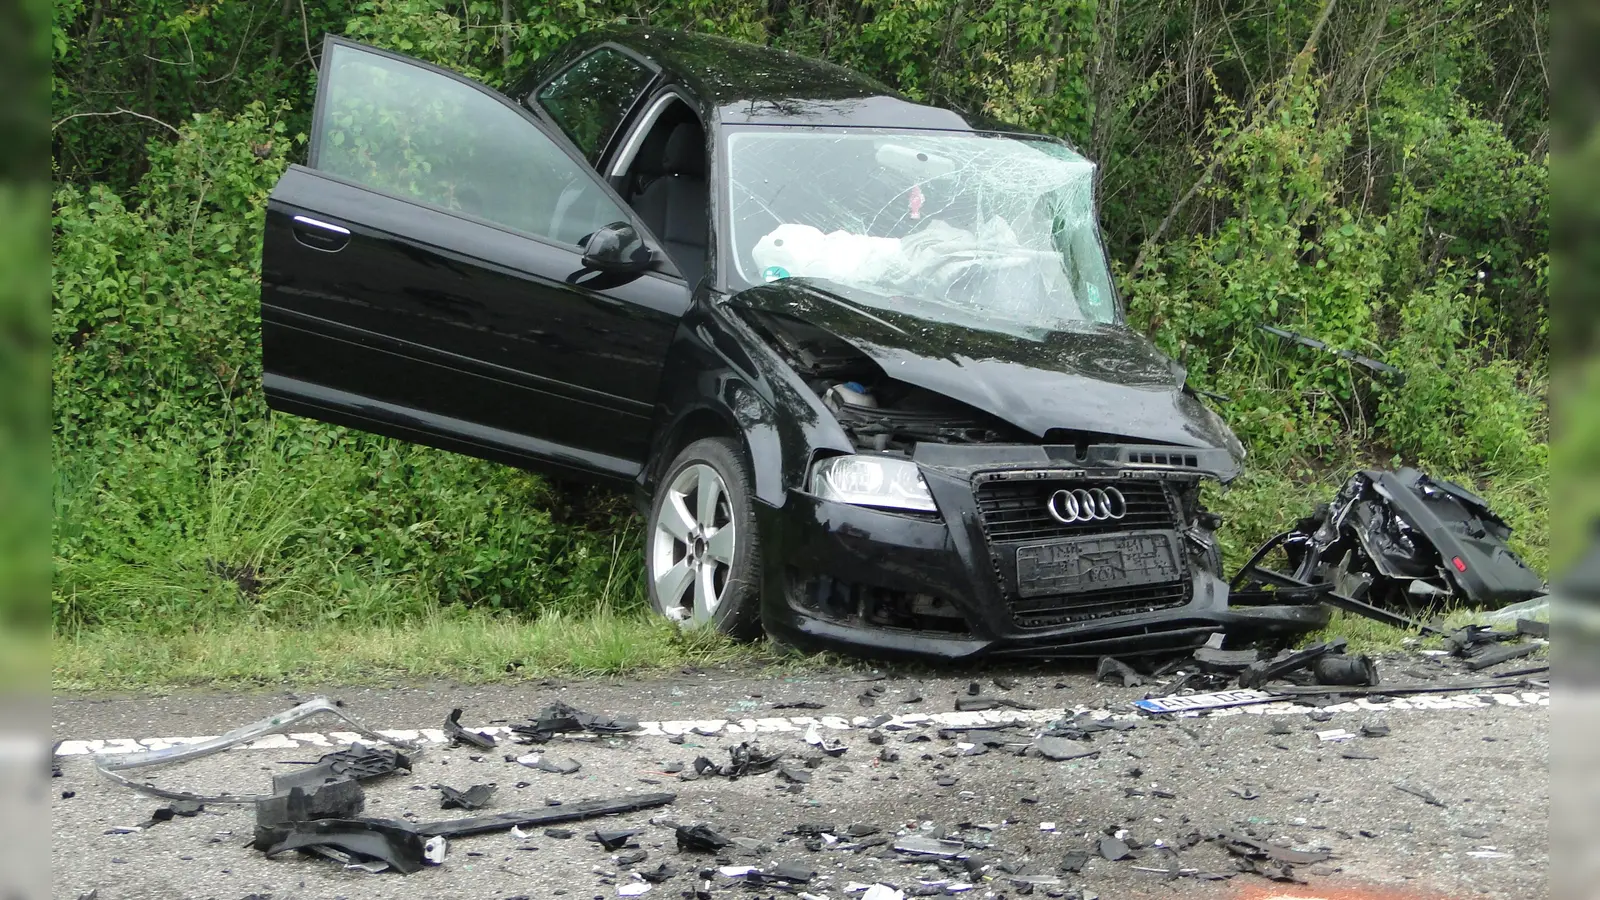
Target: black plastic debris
(559, 834)
(1494, 656)
(979, 704)
(1381, 369)
(1352, 671)
(1533, 628)
(1112, 848)
(927, 845)
(615, 840)
(1357, 753)
(1060, 749)
(1118, 672)
(1242, 845)
(1263, 671)
(1374, 730)
(545, 764)
(1074, 861)
(1216, 661)
(559, 718)
(781, 874)
(1393, 541)
(631, 858)
(745, 759)
(458, 734)
(391, 842)
(795, 775)
(800, 704)
(475, 797)
(699, 839)
(357, 762)
(1420, 793)
(662, 873)
(551, 815)
(336, 800)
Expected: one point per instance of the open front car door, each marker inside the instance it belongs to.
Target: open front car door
(443, 270)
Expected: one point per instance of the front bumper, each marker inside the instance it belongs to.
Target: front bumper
(886, 584)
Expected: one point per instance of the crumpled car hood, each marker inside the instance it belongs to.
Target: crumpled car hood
(1107, 379)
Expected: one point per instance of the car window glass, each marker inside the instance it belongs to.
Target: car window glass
(590, 99)
(420, 134)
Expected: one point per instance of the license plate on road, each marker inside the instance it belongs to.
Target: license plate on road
(1095, 563)
(1217, 700)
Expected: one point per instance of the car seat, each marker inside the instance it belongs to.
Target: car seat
(673, 198)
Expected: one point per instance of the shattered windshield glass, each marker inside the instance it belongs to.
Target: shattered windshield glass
(984, 230)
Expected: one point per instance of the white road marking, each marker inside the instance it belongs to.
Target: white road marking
(905, 722)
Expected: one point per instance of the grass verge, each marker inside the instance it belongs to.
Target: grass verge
(466, 646)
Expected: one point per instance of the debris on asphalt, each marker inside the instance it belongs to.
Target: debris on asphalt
(335, 800)
(699, 839)
(559, 718)
(745, 759)
(924, 845)
(550, 815)
(545, 764)
(1263, 671)
(800, 704)
(833, 747)
(394, 843)
(1060, 749)
(475, 797)
(1117, 671)
(458, 734)
(616, 839)
(1269, 860)
(1217, 661)
(1350, 671)
(1113, 848)
(1421, 793)
(356, 762)
(112, 765)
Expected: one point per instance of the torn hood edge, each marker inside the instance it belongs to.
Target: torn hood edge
(1108, 379)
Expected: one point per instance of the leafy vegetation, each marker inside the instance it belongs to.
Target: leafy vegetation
(1373, 174)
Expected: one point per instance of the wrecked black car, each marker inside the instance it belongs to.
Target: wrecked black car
(862, 359)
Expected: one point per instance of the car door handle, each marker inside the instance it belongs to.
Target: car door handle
(320, 235)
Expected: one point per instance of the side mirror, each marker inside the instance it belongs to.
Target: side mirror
(616, 248)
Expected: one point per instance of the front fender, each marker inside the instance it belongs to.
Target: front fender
(720, 376)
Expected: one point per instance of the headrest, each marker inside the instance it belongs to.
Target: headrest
(685, 152)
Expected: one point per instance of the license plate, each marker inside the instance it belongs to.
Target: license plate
(1095, 563)
(1217, 700)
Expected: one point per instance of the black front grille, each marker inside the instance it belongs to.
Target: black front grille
(1062, 609)
(1019, 510)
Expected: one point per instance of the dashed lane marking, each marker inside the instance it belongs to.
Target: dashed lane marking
(712, 727)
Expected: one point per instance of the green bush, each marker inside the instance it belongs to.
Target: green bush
(1393, 203)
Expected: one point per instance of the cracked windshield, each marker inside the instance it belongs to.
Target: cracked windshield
(987, 231)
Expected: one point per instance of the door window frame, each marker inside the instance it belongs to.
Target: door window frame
(669, 270)
(531, 98)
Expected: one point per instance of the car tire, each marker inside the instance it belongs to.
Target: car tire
(703, 560)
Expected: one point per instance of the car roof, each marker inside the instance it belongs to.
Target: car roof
(739, 83)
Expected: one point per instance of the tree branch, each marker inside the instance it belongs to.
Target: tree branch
(119, 111)
(1217, 158)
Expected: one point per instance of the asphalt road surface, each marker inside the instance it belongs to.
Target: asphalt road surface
(1161, 787)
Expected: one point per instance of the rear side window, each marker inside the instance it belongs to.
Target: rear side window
(425, 135)
(592, 96)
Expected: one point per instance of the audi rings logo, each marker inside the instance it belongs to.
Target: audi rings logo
(1087, 505)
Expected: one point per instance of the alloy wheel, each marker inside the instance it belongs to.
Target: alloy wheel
(692, 547)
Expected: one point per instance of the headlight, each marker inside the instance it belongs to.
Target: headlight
(872, 481)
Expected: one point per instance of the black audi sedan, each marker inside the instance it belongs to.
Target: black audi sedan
(861, 359)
